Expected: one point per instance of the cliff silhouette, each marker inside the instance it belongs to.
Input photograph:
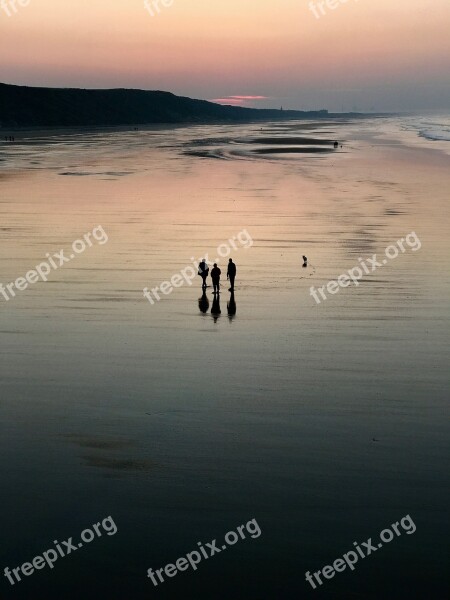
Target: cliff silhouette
(22, 106)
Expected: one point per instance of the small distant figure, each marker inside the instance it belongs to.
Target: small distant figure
(336, 144)
(305, 261)
(215, 276)
(231, 273)
(203, 271)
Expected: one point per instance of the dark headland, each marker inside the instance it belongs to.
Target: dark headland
(22, 106)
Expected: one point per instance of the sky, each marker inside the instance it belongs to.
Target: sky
(382, 55)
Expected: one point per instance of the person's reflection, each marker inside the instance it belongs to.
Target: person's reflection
(215, 310)
(231, 305)
(203, 303)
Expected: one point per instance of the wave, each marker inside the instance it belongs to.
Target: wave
(434, 129)
(435, 134)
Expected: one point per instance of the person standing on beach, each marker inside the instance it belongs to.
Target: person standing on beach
(231, 273)
(215, 276)
(203, 271)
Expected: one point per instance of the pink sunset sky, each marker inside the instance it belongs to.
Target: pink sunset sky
(364, 54)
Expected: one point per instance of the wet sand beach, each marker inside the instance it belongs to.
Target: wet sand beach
(326, 422)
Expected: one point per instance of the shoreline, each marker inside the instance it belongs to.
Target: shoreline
(406, 141)
(34, 131)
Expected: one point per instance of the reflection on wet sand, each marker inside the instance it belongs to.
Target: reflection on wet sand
(231, 306)
(290, 389)
(203, 303)
(215, 310)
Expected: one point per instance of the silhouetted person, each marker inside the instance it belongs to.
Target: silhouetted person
(231, 306)
(203, 303)
(305, 261)
(231, 273)
(203, 271)
(336, 144)
(215, 310)
(215, 276)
